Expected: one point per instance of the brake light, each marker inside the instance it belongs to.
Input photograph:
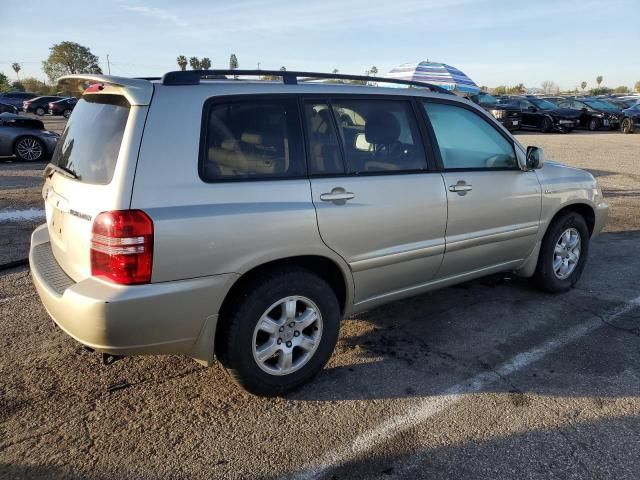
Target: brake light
(122, 246)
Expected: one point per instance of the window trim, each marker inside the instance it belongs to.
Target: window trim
(243, 98)
(438, 156)
(430, 166)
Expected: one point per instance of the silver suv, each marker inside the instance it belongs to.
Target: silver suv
(200, 215)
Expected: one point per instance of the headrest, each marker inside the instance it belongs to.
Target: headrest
(252, 138)
(382, 128)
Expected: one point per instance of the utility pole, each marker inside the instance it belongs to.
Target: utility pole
(108, 65)
(258, 65)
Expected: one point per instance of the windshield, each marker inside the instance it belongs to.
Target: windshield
(599, 105)
(543, 104)
(90, 143)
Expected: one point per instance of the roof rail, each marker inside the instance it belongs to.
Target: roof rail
(193, 77)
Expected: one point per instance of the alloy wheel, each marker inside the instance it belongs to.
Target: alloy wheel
(29, 149)
(566, 254)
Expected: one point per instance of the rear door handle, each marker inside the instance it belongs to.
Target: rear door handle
(460, 188)
(337, 194)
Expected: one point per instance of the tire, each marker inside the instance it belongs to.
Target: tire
(546, 126)
(594, 124)
(66, 113)
(29, 149)
(40, 111)
(546, 276)
(568, 130)
(627, 125)
(239, 337)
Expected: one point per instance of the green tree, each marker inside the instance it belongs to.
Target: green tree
(194, 63)
(599, 79)
(19, 86)
(205, 63)
(16, 68)
(182, 62)
(583, 85)
(233, 62)
(284, 69)
(67, 58)
(373, 71)
(637, 86)
(500, 90)
(335, 70)
(600, 91)
(34, 85)
(621, 89)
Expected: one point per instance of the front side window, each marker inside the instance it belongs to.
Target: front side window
(466, 140)
(252, 139)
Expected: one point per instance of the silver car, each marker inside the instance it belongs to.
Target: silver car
(26, 138)
(243, 220)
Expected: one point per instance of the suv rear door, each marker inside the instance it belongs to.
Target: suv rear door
(493, 206)
(378, 205)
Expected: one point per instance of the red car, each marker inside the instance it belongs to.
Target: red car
(63, 107)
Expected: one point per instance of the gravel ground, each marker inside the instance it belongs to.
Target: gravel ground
(489, 379)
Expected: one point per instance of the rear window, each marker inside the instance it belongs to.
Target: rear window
(91, 141)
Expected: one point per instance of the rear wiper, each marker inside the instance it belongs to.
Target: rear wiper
(67, 172)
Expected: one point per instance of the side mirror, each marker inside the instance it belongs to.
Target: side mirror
(535, 158)
(584, 109)
(531, 108)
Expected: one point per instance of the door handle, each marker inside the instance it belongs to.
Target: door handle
(461, 188)
(337, 195)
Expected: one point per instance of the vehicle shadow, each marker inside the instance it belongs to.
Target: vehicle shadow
(564, 450)
(424, 345)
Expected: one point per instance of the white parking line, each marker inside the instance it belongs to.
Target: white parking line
(432, 406)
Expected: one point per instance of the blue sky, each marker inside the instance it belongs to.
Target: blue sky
(493, 41)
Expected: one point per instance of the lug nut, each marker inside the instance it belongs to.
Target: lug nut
(281, 329)
(279, 341)
(296, 333)
(289, 344)
(292, 324)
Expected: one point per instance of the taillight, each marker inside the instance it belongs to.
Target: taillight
(122, 246)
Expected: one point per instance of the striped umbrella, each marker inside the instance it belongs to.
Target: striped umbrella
(439, 74)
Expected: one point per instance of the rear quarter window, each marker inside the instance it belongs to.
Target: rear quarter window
(90, 143)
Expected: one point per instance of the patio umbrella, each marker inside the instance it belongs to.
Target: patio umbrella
(436, 73)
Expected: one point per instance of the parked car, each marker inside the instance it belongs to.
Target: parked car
(62, 107)
(263, 213)
(543, 115)
(507, 115)
(630, 119)
(26, 138)
(39, 105)
(6, 108)
(16, 98)
(594, 115)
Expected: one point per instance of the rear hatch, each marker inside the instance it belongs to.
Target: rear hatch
(91, 171)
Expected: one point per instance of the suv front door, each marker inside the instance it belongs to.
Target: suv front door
(493, 206)
(378, 205)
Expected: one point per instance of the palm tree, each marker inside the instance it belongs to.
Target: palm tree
(335, 70)
(195, 63)
(373, 71)
(16, 68)
(599, 80)
(583, 85)
(233, 63)
(205, 63)
(182, 62)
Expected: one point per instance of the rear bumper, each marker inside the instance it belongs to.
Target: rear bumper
(176, 317)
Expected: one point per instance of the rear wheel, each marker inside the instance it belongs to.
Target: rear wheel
(279, 332)
(546, 126)
(594, 124)
(563, 253)
(627, 126)
(29, 149)
(40, 111)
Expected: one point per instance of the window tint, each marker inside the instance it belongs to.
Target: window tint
(466, 140)
(251, 140)
(376, 136)
(91, 141)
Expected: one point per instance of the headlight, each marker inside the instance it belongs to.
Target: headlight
(498, 113)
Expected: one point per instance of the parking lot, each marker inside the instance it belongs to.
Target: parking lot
(489, 379)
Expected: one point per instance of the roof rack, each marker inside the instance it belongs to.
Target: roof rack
(193, 77)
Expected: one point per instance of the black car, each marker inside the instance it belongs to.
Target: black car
(545, 116)
(594, 114)
(507, 115)
(62, 107)
(16, 98)
(630, 119)
(39, 105)
(6, 108)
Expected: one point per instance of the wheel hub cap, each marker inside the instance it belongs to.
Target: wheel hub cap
(287, 335)
(566, 253)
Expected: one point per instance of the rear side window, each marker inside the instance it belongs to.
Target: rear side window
(252, 139)
(466, 140)
(375, 135)
(91, 141)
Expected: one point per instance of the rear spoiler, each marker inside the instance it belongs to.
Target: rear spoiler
(136, 91)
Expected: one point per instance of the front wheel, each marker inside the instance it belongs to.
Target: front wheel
(627, 125)
(40, 111)
(594, 124)
(563, 253)
(280, 332)
(29, 149)
(546, 126)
